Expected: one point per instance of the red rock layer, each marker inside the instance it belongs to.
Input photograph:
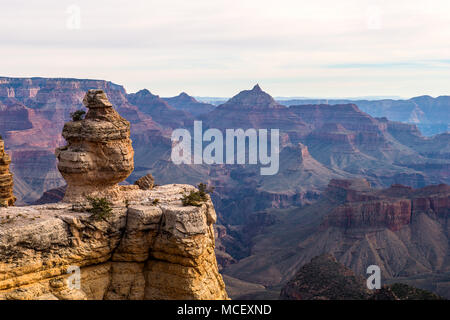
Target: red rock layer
(390, 208)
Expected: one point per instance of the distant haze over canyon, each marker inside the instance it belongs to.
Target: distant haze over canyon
(346, 169)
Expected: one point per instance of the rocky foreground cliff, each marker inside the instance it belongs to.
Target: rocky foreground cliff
(143, 251)
(106, 241)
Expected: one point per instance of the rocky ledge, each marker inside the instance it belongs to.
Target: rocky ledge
(145, 249)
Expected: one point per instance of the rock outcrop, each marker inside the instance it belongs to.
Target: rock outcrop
(121, 242)
(324, 278)
(6, 178)
(140, 251)
(99, 154)
(147, 182)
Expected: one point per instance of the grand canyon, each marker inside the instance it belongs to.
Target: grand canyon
(363, 182)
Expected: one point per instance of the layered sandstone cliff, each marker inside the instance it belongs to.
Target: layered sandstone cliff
(143, 251)
(6, 179)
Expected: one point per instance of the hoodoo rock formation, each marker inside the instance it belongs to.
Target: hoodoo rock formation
(6, 178)
(143, 244)
(99, 154)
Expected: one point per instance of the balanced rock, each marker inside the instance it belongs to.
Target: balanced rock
(98, 154)
(6, 178)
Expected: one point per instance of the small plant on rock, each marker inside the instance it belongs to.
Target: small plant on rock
(101, 208)
(155, 202)
(196, 198)
(77, 115)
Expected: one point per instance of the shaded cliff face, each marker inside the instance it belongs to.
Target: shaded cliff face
(187, 103)
(348, 139)
(324, 278)
(429, 114)
(159, 110)
(142, 251)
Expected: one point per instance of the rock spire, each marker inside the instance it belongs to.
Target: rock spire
(98, 154)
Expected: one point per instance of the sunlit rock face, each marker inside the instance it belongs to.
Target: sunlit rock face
(6, 179)
(98, 154)
(141, 250)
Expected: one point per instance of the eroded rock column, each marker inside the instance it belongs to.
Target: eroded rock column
(98, 154)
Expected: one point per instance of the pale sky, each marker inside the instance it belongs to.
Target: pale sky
(320, 48)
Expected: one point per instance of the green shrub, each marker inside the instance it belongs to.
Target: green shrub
(101, 208)
(406, 292)
(196, 198)
(77, 115)
(155, 202)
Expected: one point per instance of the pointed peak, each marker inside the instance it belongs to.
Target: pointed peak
(185, 97)
(256, 88)
(255, 98)
(145, 92)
